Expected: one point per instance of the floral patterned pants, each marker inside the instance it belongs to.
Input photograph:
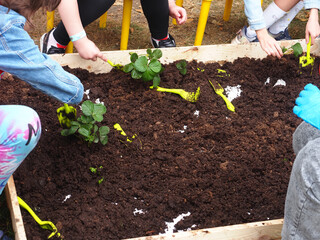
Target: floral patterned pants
(20, 130)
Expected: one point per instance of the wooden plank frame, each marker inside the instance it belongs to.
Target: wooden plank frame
(265, 230)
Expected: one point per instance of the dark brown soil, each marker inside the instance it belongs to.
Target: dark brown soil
(226, 168)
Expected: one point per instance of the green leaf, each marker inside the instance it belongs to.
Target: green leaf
(98, 111)
(148, 75)
(134, 57)
(141, 64)
(157, 53)
(183, 71)
(149, 52)
(69, 131)
(87, 107)
(128, 68)
(86, 119)
(135, 74)
(85, 131)
(297, 49)
(103, 132)
(156, 81)
(284, 49)
(155, 65)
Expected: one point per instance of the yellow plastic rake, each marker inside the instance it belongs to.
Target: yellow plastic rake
(43, 224)
(307, 60)
(189, 96)
(116, 66)
(219, 90)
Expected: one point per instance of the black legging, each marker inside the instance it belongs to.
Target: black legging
(156, 12)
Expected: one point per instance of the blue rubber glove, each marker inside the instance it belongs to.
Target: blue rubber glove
(308, 105)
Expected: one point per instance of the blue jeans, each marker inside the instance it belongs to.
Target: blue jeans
(21, 57)
(302, 206)
(18, 136)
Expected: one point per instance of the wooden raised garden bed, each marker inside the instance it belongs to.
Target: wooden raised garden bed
(270, 229)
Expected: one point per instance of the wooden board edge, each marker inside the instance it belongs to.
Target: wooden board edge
(14, 208)
(265, 230)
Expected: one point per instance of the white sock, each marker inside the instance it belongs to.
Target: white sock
(271, 15)
(284, 22)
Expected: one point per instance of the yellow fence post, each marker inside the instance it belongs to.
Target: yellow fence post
(69, 48)
(227, 10)
(126, 18)
(50, 20)
(103, 21)
(178, 3)
(204, 12)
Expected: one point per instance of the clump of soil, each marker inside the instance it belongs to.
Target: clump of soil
(222, 167)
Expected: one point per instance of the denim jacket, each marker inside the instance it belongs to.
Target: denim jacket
(254, 12)
(21, 57)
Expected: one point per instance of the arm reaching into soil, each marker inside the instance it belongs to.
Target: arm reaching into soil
(177, 12)
(68, 10)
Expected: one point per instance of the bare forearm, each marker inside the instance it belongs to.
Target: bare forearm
(69, 13)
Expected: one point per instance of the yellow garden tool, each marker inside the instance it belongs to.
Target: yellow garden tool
(307, 60)
(189, 96)
(66, 114)
(43, 224)
(219, 90)
(119, 128)
(116, 66)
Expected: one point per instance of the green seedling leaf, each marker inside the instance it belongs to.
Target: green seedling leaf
(141, 64)
(98, 111)
(148, 75)
(156, 81)
(284, 49)
(149, 52)
(182, 66)
(104, 131)
(136, 74)
(134, 57)
(155, 65)
(93, 170)
(128, 68)
(297, 49)
(157, 53)
(101, 180)
(87, 108)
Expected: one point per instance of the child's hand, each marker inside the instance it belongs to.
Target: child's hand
(269, 44)
(308, 105)
(88, 50)
(179, 13)
(312, 27)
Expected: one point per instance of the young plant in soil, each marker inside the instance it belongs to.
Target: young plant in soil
(182, 67)
(85, 126)
(146, 67)
(296, 49)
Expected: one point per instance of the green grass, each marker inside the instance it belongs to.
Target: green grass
(5, 219)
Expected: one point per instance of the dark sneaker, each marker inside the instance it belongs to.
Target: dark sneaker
(169, 42)
(283, 35)
(48, 48)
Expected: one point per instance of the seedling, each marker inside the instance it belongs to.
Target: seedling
(296, 48)
(100, 180)
(182, 67)
(147, 68)
(85, 126)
